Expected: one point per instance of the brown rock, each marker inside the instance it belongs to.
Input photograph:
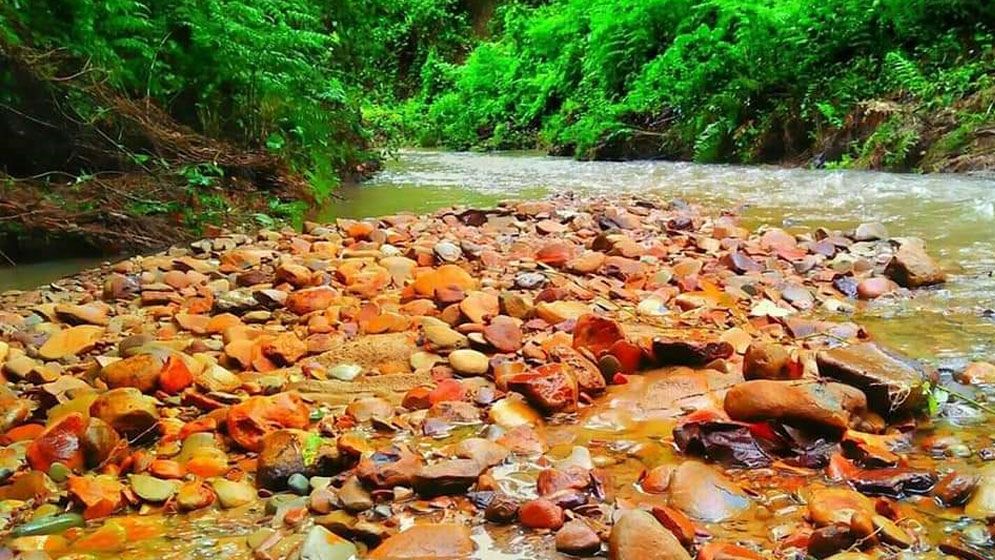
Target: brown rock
(280, 457)
(955, 488)
(587, 262)
(310, 300)
(483, 451)
(479, 306)
(453, 476)
(540, 514)
(89, 314)
(828, 540)
(688, 352)
(140, 371)
(422, 541)
(389, 468)
(70, 342)
(637, 536)
(804, 404)
(504, 334)
(768, 361)
(978, 373)
(836, 505)
(548, 388)
(577, 538)
(127, 411)
(893, 383)
(677, 523)
(912, 267)
(704, 493)
(873, 288)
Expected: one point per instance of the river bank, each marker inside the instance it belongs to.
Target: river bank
(580, 375)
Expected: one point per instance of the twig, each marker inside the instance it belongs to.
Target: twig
(8, 259)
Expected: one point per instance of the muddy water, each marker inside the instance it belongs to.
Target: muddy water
(954, 214)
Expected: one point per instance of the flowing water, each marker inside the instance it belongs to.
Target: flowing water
(948, 325)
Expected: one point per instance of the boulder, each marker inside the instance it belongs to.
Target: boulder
(704, 493)
(637, 536)
(912, 267)
(803, 404)
(893, 383)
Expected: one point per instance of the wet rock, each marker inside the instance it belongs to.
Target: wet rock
(548, 388)
(482, 451)
(977, 373)
(726, 551)
(577, 538)
(194, 495)
(892, 382)
(830, 539)
(512, 412)
(982, 502)
(140, 372)
(827, 506)
(540, 514)
(249, 421)
(101, 443)
(657, 480)
(423, 540)
(688, 352)
(389, 468)
(232, 494)
(955, 488)
(870, 231)
(127, 411)
(501, 509)
(366, 409)
(768, 361)
(70, 342)
(705, 494)
(354, 497)
(59, 443)
(637, 535)
(89, 314)
(453, 476)
(677, 523)
(469, 362)
(504, 334)
(873, 288)
(152, 489)
(804, 404)
(280, 457)
(912, 267)
(322, 544)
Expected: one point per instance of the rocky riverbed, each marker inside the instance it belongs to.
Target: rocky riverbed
(623, 378)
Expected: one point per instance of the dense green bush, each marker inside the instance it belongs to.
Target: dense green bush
(713, 80)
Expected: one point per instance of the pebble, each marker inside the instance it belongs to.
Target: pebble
(469, 362)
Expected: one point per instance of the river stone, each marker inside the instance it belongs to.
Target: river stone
(354, 496)
(322, 544)
(982, 502)
(437, 541)
(140, 371)
(280, 457)
(152, 489)
(577, 538)
(482, 451)
(705, 494)
(803, 404)
(870, 231)
(836, 505)
(893, 383)
(70, 342)
(449, 477)
(439, 336)
(912, 267)
(977, 373)
(767, 361)
(232, 494)
(447, 252)
(126, 410)
(637, 535)
(469, 362)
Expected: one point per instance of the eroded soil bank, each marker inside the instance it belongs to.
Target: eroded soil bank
(601, 377)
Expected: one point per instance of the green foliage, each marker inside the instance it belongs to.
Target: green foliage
(712, 79)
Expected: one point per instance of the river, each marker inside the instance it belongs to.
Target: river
(955, 214)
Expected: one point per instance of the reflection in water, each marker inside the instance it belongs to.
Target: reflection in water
(954, 213)
(32, 275)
